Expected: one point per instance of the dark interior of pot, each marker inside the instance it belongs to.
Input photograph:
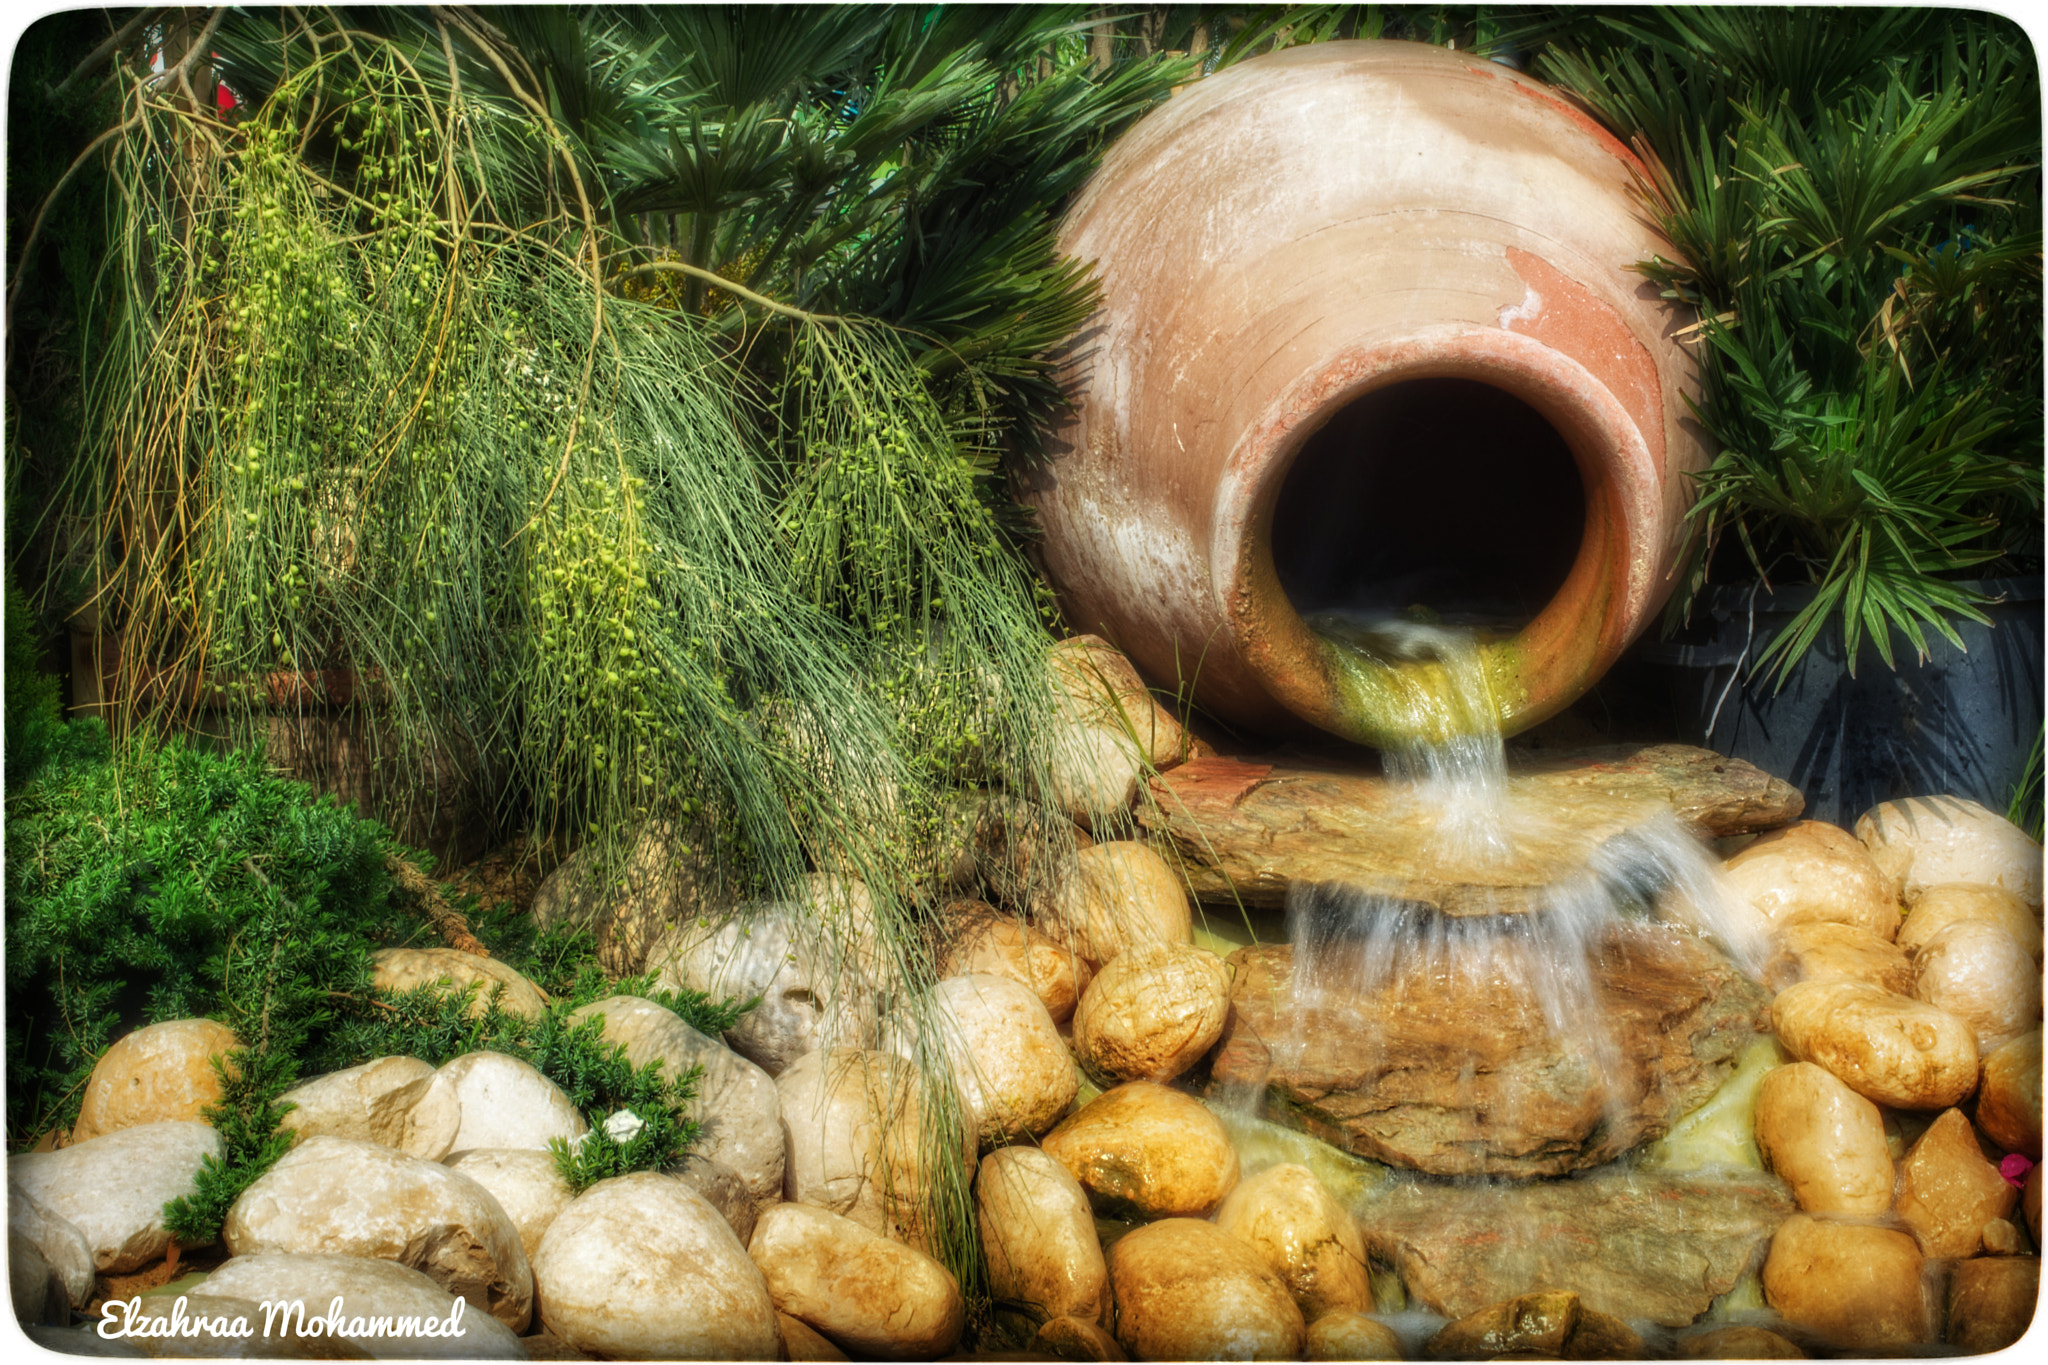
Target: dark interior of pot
(1449, 494)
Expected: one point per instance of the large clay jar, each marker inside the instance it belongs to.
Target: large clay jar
(1368, 338)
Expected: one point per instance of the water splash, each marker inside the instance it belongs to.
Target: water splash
(1353, 942)
(1452, 754)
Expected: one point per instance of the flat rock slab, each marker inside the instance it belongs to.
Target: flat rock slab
(1459, 1072)
(1251, 830)
(1637, 1244)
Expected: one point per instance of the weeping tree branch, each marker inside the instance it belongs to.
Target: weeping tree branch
(737, 291)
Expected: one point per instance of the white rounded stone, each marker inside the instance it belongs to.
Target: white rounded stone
(339, 1196)
(113, 1188)
(643, 1268)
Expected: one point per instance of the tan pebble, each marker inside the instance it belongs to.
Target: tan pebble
(1824, 1140)
(1953, 902)
(980, 938)
(2001, 1238)
(1948, 1191)
(1991, 1302)
(1976, 972)
(1352, 1336)
(1187, 1290)
(1074, 1339)
(1815, 872)
(160, 1073)
(1153, 1011)
(2009, 1096)
(1888, 1048)
(1117, 894)
(1146, 1149)
(1856, 1286)
(1309, 1239)
(1925, 841)
(1816, 951)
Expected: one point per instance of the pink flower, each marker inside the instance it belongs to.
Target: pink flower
(2014, 1168)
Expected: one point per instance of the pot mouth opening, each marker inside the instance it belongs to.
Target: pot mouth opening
(1445, 499)
(1478, 475)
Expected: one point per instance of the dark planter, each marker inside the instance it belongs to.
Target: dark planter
(1963, 721)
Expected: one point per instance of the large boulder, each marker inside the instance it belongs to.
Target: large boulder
(1954, 902)
(1307, 1237)
(627, 899)
(1826, 1141)
(1249, 832)
(2009, 1096)
(1147, 1150)
(161, 1073)
(1815, 872)
(1948, 1191)
(854, 1125)
(1888, 1048)
(814, 962)
(641, 1267)
(1551, 1325)
(405, 969)
(1009, 1064)
(501, 1101)
(113, 1188)
(1039, 1236)
(1457, 1076)
(62, 1247)
(369, 1289)
(1188, 1290)
(1108, 731)
(874, 1298)
(1634, 1243)
(738, 1113)
(526, 1184)
(339, 1196)
(1153, 1012)
(1977, 972)
(980, 938)
(1857, 1287)
(369, 1103)
(1117, 894)
(1927, 840)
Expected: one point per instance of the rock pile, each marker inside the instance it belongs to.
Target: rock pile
(1914, 1101)
(1124, 1222)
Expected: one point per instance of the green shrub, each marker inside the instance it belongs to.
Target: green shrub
(436, 1023)
(35, 726)
(246, 1117)
(169, 882)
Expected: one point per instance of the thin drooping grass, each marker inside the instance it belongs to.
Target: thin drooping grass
(372, 423)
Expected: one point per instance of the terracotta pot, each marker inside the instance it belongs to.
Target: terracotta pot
(1368, 337)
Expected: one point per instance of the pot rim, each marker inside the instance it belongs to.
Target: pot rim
(1576, 636)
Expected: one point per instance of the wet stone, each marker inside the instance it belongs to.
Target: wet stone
(1461, 1074)
(1253, 830)
(1637, 1244)
(1546, 1325)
